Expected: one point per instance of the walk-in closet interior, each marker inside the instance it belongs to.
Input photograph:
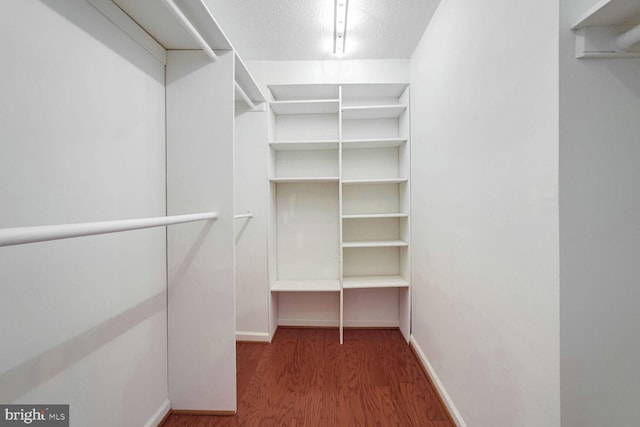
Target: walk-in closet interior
(179, 176)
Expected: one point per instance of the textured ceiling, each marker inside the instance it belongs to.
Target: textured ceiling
(303, 29)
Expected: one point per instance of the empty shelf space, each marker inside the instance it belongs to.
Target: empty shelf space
(306, 286)
(374, 181)
(304, 145)
(375, 216)
(375, 244)
(373, 112)
(373, 143)
(302, 92)
(319, 106)
(304, 179)
(361, 282)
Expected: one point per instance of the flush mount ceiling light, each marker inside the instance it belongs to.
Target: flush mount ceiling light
(340, 26)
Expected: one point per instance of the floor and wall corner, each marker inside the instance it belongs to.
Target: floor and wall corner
(524, 235)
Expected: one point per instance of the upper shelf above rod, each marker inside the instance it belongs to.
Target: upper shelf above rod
(159, 26)
(610, 29)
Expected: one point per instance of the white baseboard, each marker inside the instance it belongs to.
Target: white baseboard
(309, 323)
(158, 416)
(371, 324)
(451, 407)
(253, 336)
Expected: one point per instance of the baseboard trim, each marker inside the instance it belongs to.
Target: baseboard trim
(198, 412)
(446, 400)
(309, 323)
(159, 417)
(382, 324)
(244, 336)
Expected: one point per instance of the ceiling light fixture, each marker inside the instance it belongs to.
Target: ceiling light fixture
(340, 26)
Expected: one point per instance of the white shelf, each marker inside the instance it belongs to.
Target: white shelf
(300, 92)
(304, 179)
(608, 13)
(306, 286)
(374, 181)
(317, 106)
(304, 145)
(375, 216)
(177, 25)
(375, 244)
(598, 29)
(362, 282)
(358, 91)
(373, 143)
(373, 112)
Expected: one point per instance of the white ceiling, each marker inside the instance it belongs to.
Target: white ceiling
(303, 29)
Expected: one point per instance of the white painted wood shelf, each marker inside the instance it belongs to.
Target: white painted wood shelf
(609, 30)
(375, 244)
(304, 145)
(298, 107)
(306, 286)
(374, 181)
(178, 25)
(364, 282)
(304, 179)
(372, 112)
(375, 216)
(373, 143)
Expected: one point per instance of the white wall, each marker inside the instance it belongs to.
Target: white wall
(484, 96)
(599, 234)
(82, 321)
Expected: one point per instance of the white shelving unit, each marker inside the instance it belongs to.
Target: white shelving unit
(610, 29)
(339, 190)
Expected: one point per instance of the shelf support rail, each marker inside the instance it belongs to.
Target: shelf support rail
(23, 235)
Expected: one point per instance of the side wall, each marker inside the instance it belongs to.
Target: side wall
(484, 95)
(82, 321)
(599, 234)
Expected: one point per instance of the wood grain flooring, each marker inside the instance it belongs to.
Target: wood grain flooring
(306, 378)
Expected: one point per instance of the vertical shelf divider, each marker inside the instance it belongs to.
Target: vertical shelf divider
(341, 252)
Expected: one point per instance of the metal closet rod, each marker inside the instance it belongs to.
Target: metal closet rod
(22, 235)
(179, 14)
(249, 214)
(627, 39)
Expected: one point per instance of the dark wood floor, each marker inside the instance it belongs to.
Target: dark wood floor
(306, 378)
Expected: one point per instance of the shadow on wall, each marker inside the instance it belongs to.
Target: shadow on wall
(91, 21)
(30, 374)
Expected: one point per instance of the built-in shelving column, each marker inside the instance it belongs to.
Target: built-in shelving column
(304, 177)
(375, 206)
(339, 190)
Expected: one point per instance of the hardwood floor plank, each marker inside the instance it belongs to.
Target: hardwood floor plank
(306, 378)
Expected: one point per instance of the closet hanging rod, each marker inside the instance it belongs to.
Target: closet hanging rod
(22, 235)
(175, 9)
(249, 214)
(627, 39)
